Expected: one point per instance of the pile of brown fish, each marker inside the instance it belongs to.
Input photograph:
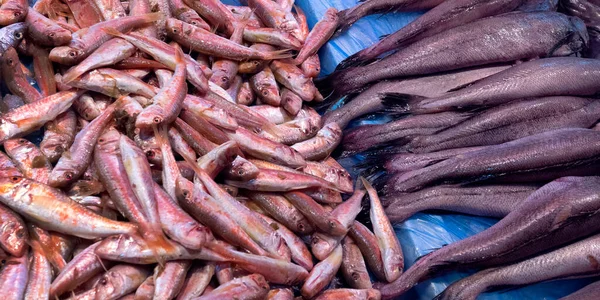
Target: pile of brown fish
(495, 111)
(155, 178)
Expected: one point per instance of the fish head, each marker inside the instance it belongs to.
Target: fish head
(11, 185)
(12, 146)
(12, 12)
(176, 28)
(12, 35)
(63, 174)
(59, 37)
(10, 60)
(65, 55)
(151, 115)
(184, 189)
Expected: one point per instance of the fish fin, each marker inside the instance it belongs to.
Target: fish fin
(114, 32)
(153, 17)
(383, 36)
(399, 103)
(278, 54)
(353, 60)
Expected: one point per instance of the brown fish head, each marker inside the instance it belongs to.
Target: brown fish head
(175, 27)
(65, 55)
(151, 115)
(12, 12)
(62, 176)
(10, 60)
(59, 37)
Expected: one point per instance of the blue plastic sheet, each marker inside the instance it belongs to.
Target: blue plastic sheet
(422, 233)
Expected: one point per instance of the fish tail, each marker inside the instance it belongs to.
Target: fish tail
(72, 74)
(153, 17)
(400, 103)
(277, 54)
(114, 32)
(159, 245)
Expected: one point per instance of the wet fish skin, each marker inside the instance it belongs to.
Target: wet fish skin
(293, 78)
(280, 294)
(59, 135)
(332, 173)
(299, 252)
(281, 181)
(178, 224)
(401, 131)
(446, 15)
(369, 101)
(73, 219)
(216, 13)
(121, 280)
(391, 253)
(75, 161)
(311, 67)
(322, 273)
(80, 269)
(315, 213)
(193, 200)
(280, 209)
(197, 280)
(255, 65)
(109, 53)
(112, 83)
(276, 17)
(12, 35)
(44, 31)
(29, 159)
(562, 35)
(369, 247)
(512, 121)
(320, 146)
(541, 216)
(87, 40)
(29, 117)
(253, 286)
(580, 75)
(291, 102)
(582, 144)
(197, 141)
(14, 78)
(168, 101)
(403, 162)
(490, 201)
(349, 16)
(169, 279)
(271, 36)
(242, 169)
(13, 234)
(368, 294)
(319, 35)
(266, 149)
(40, 275)
(353, 265)
(538, 5)
(575, 260)
(14, 276)
(204, 127)
(265, 87)
(13, 11)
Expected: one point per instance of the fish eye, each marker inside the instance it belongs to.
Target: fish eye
(17, 13)
(185, 193)
(18, 35)
(157, 120)
(224, 79)
(72, 53)
(69, 175)
(150, 153)
(194, 23)
(174, 30)
(14, 179)
(21, 141)
(51, 34)
(265, 93)
(241, 172)
(10, 61)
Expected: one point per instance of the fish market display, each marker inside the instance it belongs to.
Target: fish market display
(489, 109)
(179, 158)
(179, 150)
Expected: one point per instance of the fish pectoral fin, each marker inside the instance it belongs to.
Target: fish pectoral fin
(561, 218)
